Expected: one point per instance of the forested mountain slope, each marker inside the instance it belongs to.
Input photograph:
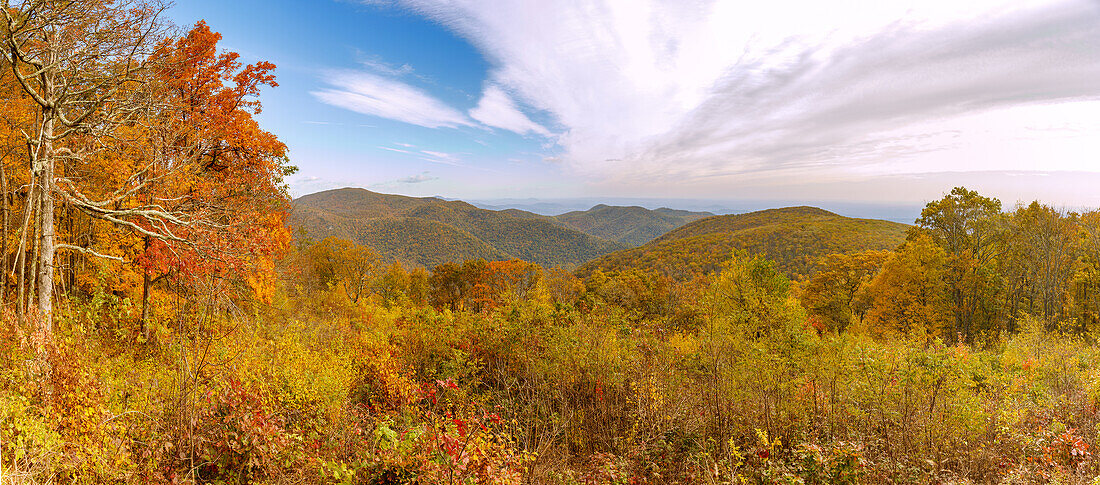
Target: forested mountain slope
(429, 231)
(795, 237)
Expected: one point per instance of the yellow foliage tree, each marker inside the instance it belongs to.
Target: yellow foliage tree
(909, 296)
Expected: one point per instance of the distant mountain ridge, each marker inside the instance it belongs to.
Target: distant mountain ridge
(795, 237)
(427, 231)
(630, 225)
(897, 212)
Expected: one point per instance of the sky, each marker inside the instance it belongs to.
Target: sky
(885, 102)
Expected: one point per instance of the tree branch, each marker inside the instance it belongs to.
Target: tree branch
(89, 252)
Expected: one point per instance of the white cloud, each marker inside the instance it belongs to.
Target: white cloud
(303, 184)
(426, 155)
(376, 64)
(418, 178)
(388, 98)
(424, 176)
(664, 91)
(383, 96)
(398, 150)
(496, 109)
(441, 157)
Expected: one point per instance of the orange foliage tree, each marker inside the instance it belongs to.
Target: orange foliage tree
(150, 139)
(196, 185)
(213, 175)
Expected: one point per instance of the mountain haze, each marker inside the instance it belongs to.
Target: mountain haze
(795, 237)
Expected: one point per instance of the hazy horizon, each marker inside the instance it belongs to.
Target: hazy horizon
(552, 206)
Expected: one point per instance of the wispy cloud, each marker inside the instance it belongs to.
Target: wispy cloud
(432, 156)
(890, 95)
(418, 178)
(421, 177)
(441, 157)
(333, 123)
(306, 184)
(661, 90)
(496, 109)
(376, 64)
(387, 97)
(398, 150)
(380, 96)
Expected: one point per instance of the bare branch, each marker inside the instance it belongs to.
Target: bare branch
(89, 252)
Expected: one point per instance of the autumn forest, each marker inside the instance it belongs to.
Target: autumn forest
(171, 315)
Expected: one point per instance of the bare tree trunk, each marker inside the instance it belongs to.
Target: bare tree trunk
(146, 282)
(21, 253)
(4, 235)
(36, 236)
(46, 221)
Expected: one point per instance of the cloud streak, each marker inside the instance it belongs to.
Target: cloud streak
(441, 157)
(384, 97)
(432, 156)
(398, 150)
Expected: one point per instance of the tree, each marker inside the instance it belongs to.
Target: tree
(829, 295)
(562, 286)
(335, 262)
(968, 227)
(153, 137)
(752, 333)
(83, 64)
(207, 193)
(359, 271)
(455, 286)
(393, 284)
(1083, 292)
(18, 119)
(1038, 261)
(909, 296)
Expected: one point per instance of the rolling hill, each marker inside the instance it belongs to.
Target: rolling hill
(795, 237)
(429, 231)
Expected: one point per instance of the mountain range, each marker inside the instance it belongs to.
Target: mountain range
(427, 231)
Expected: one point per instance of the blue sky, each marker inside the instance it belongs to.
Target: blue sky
(311, 42)
(891, 102)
